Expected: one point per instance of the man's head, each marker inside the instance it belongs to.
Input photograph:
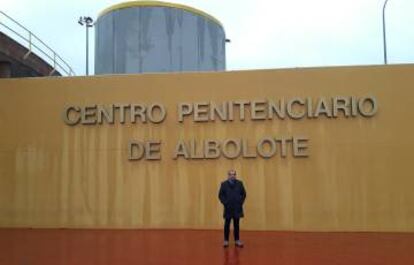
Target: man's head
(231, 174)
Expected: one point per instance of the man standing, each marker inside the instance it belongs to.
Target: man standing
(232, 195)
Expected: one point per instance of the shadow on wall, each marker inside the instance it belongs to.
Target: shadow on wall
(5, 69)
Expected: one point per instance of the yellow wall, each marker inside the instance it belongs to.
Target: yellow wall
(358, 176)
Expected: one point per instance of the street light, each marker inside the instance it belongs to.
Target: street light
(384, 33)
(88, 23)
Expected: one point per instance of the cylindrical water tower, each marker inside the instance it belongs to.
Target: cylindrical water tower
(153, 36)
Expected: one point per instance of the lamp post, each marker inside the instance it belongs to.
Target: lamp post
(88, 23)
(384, 34)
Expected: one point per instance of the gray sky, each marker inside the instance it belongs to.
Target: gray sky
(264, 34)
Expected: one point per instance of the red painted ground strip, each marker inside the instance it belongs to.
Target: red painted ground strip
(110, 247)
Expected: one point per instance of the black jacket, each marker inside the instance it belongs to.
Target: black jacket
(232, 196)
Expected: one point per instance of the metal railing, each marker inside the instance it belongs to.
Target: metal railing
(33, 43)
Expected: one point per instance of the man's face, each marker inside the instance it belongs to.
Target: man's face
(231, 174)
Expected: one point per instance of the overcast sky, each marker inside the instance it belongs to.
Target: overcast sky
(263, 33)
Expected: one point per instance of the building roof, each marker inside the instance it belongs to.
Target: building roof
(159, 4)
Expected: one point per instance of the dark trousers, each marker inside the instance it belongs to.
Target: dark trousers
(227, 228)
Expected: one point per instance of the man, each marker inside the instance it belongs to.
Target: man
(232, 195)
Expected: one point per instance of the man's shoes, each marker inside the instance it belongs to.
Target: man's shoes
(239, 244)
(226, 244)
